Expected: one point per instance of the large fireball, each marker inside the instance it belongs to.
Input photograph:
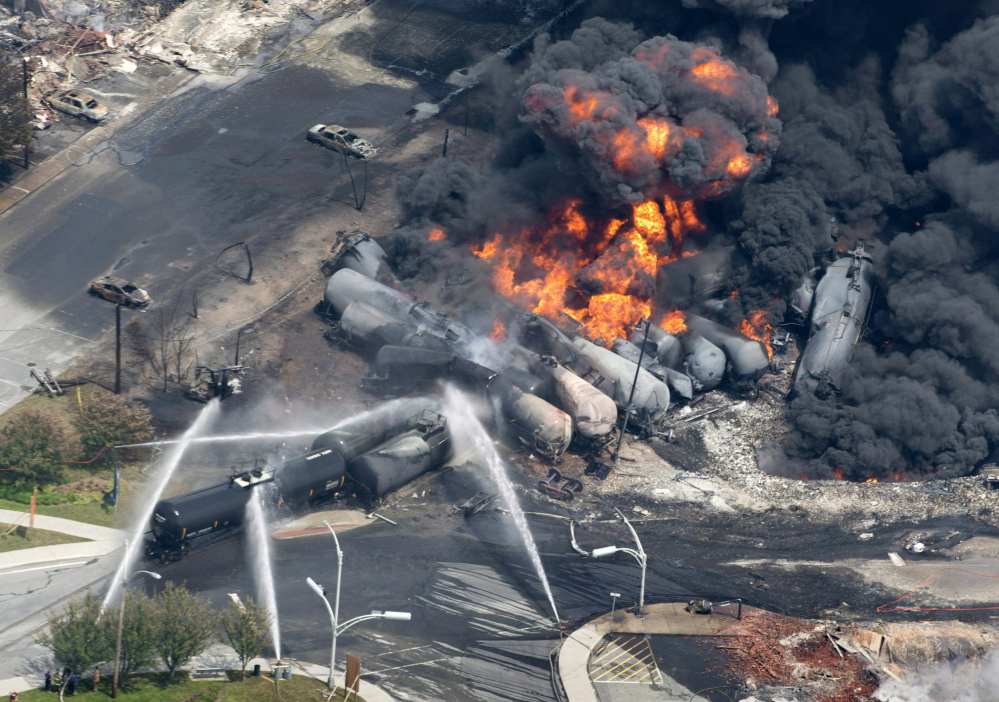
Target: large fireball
(674, 118)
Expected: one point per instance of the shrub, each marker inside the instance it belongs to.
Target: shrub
(34, 445)
(112, 420)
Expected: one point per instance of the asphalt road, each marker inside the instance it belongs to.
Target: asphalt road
(209, 169)
(482, 627)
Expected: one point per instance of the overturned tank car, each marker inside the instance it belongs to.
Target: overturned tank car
(535, 422)
(678, 383)
(839, 311)
(594, 414)
(614, 376)
(663, 346)
(705, 362)
(747, 357)
(424, 445)
(347, 287)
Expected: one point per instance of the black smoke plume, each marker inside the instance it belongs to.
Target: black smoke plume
(887, 131)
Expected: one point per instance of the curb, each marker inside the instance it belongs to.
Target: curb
(57, 163)
(58, 552)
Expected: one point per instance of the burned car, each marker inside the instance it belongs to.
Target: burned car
(120, 292)
(335, 137)
(78, 104)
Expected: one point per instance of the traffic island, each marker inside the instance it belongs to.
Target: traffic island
(676, 651)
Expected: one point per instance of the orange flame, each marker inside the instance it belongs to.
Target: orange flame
(674, 322)
(839, 474)
(715, 73)
(537, 266)
(436, 235)
(499, 331)
(757, 326)
(871, 480)
(633, 148)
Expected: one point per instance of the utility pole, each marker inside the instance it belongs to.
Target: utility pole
(249, 261)
(117, 349)
(24, 76)
(634, 384)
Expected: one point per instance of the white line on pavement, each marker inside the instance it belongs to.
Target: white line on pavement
(51, 566)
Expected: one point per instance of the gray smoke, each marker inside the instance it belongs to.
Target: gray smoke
(960, 680)
(839, 162)
(771, 9)
(971, 184)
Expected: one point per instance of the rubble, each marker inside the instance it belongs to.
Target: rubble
(796, 659)
(77, 42)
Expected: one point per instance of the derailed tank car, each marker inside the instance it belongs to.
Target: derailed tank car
(747, 357)
(320, 474)
(839, 312)
(536, 422)
(424, 445)
(177, 521)
(312, 476)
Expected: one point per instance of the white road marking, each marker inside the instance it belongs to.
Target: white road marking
(44, 567)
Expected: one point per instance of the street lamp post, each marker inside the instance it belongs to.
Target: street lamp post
(334, 611)
(336, 608)
(614, 596)
(638, 554)
(121, 622)
(340, 628)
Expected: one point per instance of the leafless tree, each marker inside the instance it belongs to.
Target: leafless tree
(164, 341)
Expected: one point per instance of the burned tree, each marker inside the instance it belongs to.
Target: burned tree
(15, 114)
(165, 342)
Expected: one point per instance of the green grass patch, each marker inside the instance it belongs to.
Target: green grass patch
(23, 537)
(81, 492)
(91, 512)
(153, 687)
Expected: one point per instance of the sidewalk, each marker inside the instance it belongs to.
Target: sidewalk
(660, 619)
(102, 540)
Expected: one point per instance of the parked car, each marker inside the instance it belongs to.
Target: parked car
(79, 104)
(119, 291)
(335, 137)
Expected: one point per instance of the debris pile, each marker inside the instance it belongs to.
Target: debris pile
(76, 41)
(796, 659)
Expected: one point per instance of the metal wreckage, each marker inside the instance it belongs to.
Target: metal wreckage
(550, 386)
(545, 387)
